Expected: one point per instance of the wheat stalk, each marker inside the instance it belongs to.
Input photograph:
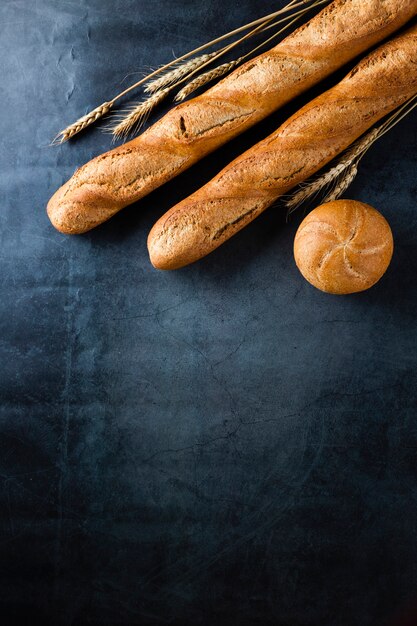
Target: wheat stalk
(134, 120)
(138, 114)
(205, 78)
(345, 171)
(173, 76)
(91, 117)
(223, 69)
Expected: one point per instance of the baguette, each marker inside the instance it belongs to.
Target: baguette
(192, 130)
(300, 147)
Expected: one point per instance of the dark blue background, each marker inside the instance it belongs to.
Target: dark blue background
(218, 445)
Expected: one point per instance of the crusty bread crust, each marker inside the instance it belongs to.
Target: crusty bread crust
(195, 128)
(343, 247)
(299, 148)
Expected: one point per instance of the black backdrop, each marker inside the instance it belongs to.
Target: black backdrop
(219, 445)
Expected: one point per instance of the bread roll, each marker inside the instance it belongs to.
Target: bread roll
(343, 247)
(299, 148)
(192, 130)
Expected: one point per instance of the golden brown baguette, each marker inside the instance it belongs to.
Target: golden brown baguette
(299, 148)
(192, 130)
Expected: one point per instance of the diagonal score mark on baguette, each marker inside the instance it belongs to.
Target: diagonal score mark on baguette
(336, 35)
(300, 147)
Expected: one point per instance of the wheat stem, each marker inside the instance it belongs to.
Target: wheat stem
(399, 115)
(262, 20)
(266, 24)
(223, 69)
(294, 17)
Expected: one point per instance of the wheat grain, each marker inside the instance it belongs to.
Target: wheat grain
(342, 183)
(138, 114)
(82, 123)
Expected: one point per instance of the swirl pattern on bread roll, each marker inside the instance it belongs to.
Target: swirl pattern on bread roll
(343, 247)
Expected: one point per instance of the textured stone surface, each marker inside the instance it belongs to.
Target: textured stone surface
(220, 445)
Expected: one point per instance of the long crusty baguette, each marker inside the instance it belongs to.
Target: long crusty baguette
(299, 148)
(192, 130)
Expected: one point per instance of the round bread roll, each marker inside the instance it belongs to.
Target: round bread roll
(343, 247)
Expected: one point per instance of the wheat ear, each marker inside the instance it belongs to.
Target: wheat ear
(311, 189)
(342, 183)
(138, 114)
(104, 108)
(173, 76)
(83, 122)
